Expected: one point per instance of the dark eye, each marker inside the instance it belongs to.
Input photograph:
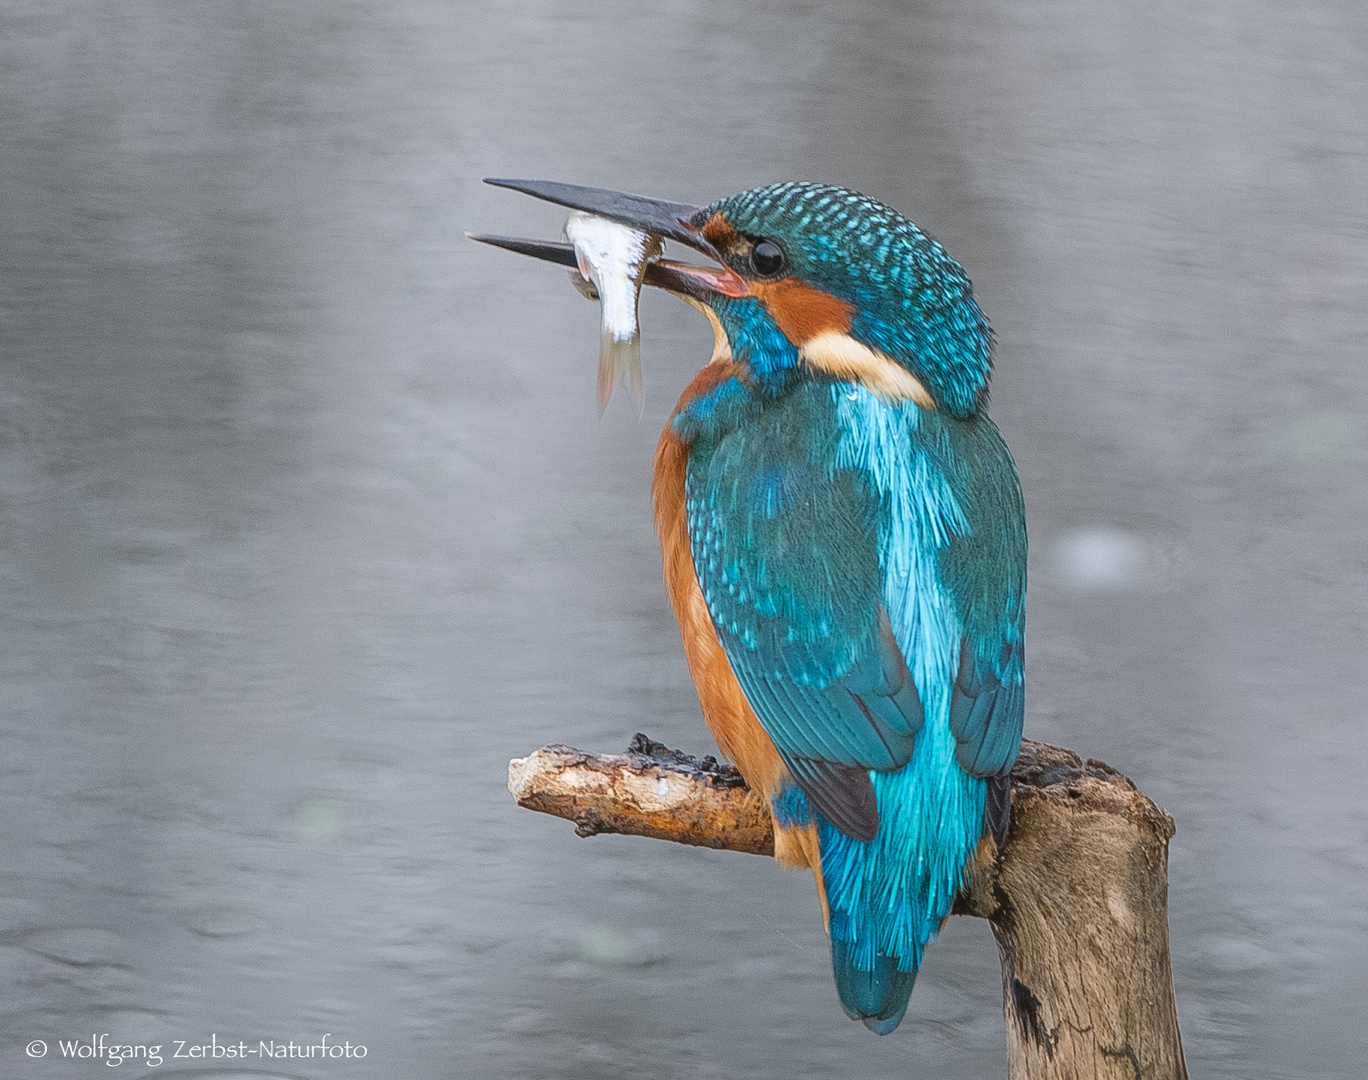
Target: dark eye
(767, 258)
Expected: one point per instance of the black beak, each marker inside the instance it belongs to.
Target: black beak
(554, 251)
(672, 220)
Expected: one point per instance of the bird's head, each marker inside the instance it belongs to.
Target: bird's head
(815, 278)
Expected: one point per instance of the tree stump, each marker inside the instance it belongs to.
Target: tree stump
(1078, 897)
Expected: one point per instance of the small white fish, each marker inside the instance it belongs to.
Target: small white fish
(613, 259)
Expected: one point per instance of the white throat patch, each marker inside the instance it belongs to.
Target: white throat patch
(841, 355)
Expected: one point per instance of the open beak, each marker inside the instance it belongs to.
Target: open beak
(673, 221)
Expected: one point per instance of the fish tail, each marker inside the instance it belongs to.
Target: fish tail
(619, 362)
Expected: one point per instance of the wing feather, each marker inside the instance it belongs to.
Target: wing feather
(785, 533)
(785, 545)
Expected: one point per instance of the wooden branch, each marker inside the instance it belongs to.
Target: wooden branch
(648, 791)
(1078, 898)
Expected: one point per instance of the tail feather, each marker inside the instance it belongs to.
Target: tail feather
(888, 896)
(879, 997)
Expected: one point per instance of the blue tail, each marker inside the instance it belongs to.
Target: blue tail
(889, 896)
(878, 997)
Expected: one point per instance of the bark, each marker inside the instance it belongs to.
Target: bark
(1077, 898)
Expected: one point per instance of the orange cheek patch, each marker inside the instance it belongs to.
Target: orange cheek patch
(801, 311)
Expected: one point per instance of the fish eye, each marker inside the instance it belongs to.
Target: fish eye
(767, 258)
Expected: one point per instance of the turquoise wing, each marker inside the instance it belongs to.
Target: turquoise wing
(785, 542)
(984, 568)
(791, 539)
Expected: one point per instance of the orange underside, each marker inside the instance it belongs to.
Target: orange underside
(729, 717)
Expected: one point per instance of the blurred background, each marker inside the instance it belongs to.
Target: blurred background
(308, 524)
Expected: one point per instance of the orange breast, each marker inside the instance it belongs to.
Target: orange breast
(739, 734)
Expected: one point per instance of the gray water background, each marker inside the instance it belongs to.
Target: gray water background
(308, 525)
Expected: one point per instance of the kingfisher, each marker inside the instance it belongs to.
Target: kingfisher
(844, 546)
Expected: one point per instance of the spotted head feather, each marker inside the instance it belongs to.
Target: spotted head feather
(906, 297)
